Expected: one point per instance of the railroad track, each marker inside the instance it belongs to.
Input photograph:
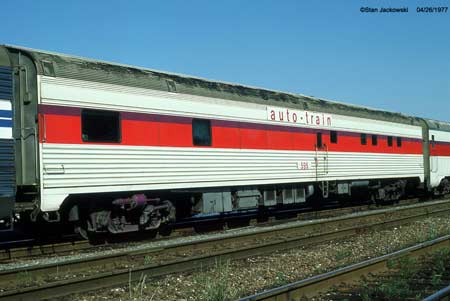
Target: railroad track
(442, 295)
(34, 250)
(312, 287)
(116, 269)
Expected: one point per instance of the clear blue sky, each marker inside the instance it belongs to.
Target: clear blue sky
(329, 49)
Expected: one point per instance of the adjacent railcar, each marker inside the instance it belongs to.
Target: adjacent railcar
(438, 153)
(115, 148)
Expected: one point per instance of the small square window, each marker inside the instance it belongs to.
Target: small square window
(100, 126)
(333, 137)
(363, 139)
(374, 140)
(399, 141)
(201, 132)
(389, 140)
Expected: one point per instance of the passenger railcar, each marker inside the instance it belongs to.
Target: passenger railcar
(439, 155)
(115, 148)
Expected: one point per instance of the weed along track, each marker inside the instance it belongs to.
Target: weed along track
(79, 276)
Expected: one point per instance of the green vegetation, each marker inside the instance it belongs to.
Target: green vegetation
(281, 279)
(215, 284)
(342, 254)
(137, 290)
(148, 259)
(433, 233)
(408, 278)
(24, 279)
(395, 290)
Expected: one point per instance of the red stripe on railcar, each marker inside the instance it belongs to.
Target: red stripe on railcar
(440, 149)
(63, 125)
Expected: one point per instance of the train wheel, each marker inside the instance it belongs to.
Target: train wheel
(94, 238)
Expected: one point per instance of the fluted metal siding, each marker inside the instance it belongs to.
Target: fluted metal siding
(7, 175)
(115, 168)
(5, 83)
(7, 167)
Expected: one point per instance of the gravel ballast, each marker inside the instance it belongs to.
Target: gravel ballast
(244, 277)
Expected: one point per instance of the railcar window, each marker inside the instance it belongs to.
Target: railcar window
(399, 141)
(374, 140)
(100, 126)
(389, 140)
(333, 137)
(201, 132)
(433, 143)
(363, 139)
(319, 143)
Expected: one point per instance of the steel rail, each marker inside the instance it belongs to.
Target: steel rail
(442, 295)
(124, 276)
(310, 287)
(40, 250)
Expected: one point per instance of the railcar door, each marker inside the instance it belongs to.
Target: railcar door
(433, 157)
(321, 157)
(434, 164)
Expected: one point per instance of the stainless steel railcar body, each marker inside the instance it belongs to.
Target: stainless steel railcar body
(51, 176)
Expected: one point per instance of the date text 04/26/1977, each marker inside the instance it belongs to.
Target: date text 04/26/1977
(424, 9)
(429, 9)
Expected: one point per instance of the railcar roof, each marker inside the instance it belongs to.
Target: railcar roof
(438, 125)
(67, 66)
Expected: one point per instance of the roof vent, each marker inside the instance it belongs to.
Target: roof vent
(48, 68)
(171, 86)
